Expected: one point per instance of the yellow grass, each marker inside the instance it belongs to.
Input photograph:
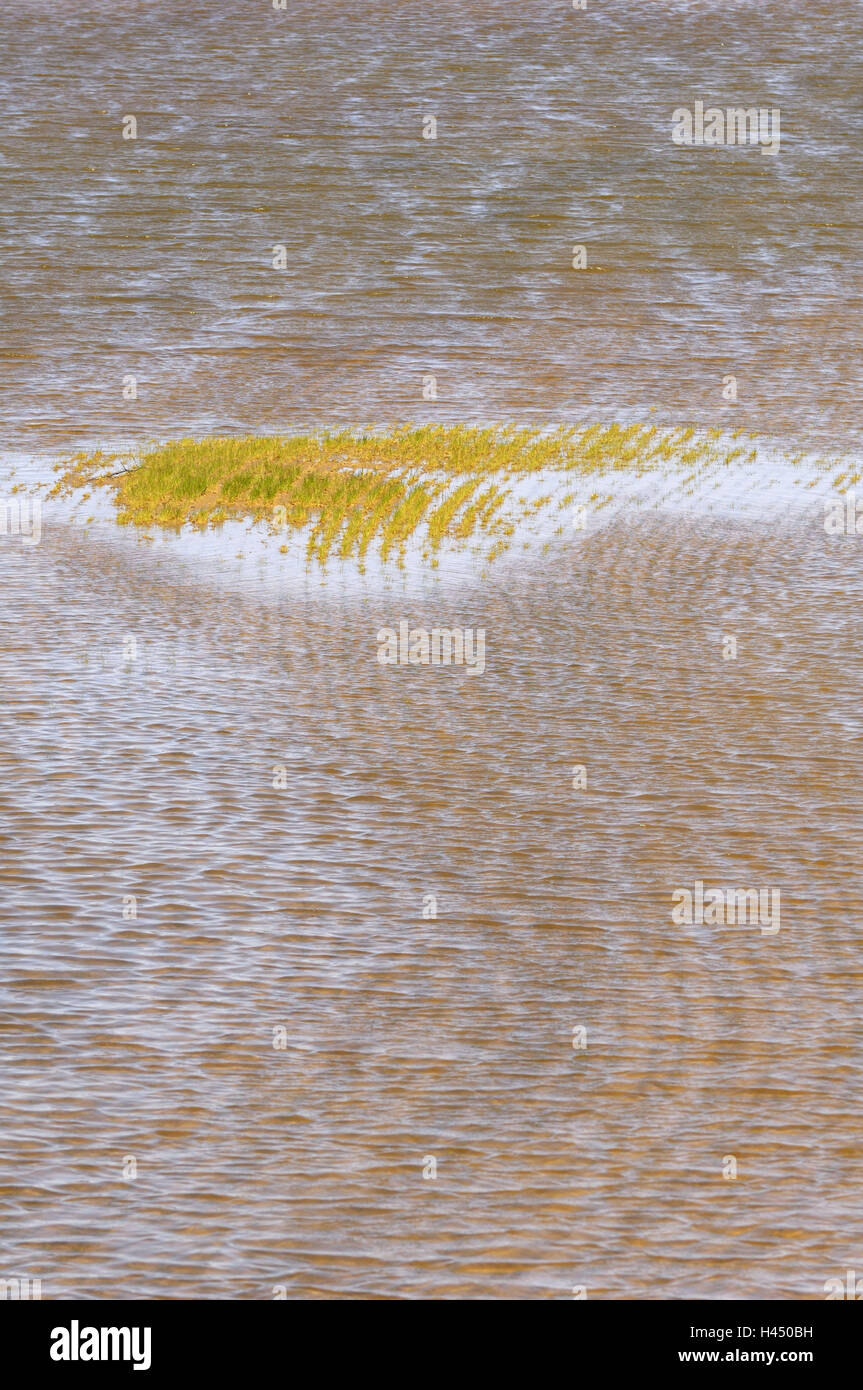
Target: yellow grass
(350, 491)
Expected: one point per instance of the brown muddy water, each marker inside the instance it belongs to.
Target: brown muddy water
(148, 771)
(407, 257)
(222, 817)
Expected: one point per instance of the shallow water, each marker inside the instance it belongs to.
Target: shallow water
(151, 689)
(408, 257)
(151, 775)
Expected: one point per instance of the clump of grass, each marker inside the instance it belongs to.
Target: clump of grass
(349, 490)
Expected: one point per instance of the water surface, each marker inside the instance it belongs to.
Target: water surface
(149, 696)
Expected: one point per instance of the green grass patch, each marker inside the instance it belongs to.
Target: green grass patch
(351, 490)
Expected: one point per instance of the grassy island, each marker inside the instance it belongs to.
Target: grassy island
(348, 491)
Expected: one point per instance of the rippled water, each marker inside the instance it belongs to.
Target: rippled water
(148, 696)
(260, 908)
(406, 256)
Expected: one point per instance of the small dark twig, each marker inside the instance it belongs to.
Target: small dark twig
(118, 474)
